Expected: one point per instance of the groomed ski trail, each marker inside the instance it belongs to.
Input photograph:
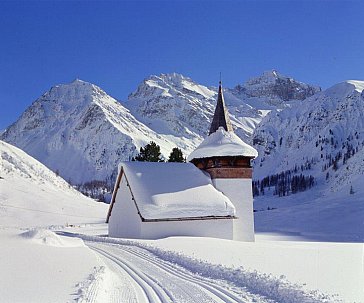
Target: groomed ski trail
(155, 280)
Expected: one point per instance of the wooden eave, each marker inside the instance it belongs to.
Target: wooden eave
(190, 218)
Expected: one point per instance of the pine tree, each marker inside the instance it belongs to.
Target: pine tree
(150, 153)
(335, 166)
(176, 155)
(352, 192)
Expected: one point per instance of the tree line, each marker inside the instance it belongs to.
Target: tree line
(284, 184)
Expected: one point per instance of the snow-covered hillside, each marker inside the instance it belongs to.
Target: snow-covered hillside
(318, 145)
(176, 105)
(32, 195)
(324, 135)
(81, 132)
(183, 107)
(36, 264)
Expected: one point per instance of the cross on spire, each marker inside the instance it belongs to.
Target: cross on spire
(221, 116)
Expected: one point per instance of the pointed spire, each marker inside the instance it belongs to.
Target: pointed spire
(221, 115)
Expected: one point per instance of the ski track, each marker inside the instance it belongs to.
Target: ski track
(148, 278)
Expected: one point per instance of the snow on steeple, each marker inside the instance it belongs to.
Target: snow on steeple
(222, 144)
(221, 115)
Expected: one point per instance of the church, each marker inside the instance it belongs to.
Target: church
(210, 196)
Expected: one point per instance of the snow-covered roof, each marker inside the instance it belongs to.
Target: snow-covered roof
(222, 143)
(174, 191)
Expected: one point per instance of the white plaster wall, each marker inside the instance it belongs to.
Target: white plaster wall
(218, 228)
(239, 191)
(124, 221)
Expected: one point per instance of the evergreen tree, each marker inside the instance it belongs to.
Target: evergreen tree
(176, 155)
(352, 192)
(335, 166)
(150, 153)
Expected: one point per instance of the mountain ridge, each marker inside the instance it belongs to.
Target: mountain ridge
(325, 134)
(80, 131)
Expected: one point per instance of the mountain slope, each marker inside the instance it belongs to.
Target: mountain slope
(79, 131)
(323, 137)
(172, 103)
(32, 195)
(175, 105)
(326, 126)
(82, 133)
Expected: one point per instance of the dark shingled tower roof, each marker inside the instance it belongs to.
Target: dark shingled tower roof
(221, 115)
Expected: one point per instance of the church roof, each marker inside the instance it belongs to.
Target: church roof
(222, 143)
(221, 116)
(168, 191)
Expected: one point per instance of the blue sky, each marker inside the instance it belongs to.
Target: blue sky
(116, 44)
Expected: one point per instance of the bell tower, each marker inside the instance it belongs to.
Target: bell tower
(227, 159)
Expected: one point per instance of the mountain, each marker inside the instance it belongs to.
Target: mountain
(32, 195)
(174, 104)
(273, 90)
(79, 131)
(316, 145)
(323, 136)
(82, 133)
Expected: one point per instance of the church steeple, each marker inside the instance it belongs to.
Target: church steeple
(221, 115)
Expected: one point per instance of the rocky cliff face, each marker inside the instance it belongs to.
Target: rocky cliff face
(276, 89)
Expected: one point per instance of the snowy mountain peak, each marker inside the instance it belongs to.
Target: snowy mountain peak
(323, 135)
(79, 81)
(346, 88)
(359, 85)
(276, 89)
(81, 132)
(170, 85)
(77, 91)
(76, 83)
(174, 78)
(59, 129)
(267, 76)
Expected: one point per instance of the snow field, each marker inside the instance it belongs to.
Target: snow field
(335, 269)
(311, 216)
(31, 195)
(36, 264)
(36, 268)
(47, 237)
(198, 257)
